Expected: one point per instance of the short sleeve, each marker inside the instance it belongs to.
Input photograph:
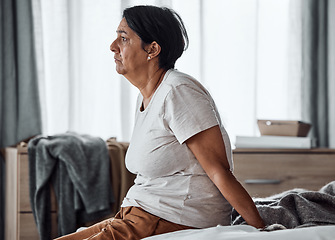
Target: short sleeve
(188, 111)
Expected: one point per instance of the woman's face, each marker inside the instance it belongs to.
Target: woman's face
(130, 57)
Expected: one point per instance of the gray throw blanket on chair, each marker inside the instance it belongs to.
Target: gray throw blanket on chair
(78, 167)
(296, 208)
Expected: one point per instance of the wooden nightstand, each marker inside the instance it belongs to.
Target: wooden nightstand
(264, 172)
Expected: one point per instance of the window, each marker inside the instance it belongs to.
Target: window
(243, 51)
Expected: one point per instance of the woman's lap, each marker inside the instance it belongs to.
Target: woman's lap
(130, 223)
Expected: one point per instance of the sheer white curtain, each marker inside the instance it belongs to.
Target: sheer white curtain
(81, 90)
(247, 53)
(241, 50)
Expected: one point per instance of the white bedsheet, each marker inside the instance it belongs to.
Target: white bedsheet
(245, 232)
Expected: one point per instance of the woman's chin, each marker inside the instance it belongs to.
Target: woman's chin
(119, 70)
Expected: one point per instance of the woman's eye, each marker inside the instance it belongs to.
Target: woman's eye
(123, 39)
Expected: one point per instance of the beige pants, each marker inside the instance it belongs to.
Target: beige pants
(130, 223)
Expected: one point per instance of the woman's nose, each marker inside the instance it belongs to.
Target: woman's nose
(113, 47)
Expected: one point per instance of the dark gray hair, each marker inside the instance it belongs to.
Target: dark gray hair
(160, 24)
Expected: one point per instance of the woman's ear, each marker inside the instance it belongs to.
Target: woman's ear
(154, 50)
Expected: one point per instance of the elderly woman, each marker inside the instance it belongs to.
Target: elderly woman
(179, 149)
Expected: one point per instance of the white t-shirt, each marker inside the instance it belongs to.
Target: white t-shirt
(170, 182)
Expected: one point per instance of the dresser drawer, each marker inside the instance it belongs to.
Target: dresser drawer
(265, 174)
(28, 230)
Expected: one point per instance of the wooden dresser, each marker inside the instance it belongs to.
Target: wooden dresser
(20, 223)
(264, 172)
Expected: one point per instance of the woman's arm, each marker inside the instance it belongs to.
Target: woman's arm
(209, 149)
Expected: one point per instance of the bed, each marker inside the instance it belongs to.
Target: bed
(245, 232)
(298, 213)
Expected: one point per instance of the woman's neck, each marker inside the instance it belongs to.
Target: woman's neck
(150, 85)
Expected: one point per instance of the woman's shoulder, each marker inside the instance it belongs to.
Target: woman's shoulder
(178, 77)
(176, 80)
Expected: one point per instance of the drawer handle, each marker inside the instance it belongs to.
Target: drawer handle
(262, 181)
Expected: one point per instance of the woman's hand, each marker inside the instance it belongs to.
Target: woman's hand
(209, 149)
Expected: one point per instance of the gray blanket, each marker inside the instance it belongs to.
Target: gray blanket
(296, 208)
(78, 167)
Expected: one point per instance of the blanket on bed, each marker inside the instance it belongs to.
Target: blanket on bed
(78, 167)
(296, 208)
